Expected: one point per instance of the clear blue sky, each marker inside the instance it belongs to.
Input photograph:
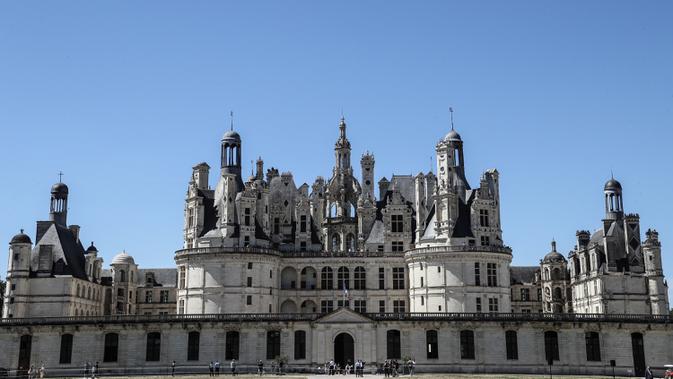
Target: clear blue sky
(125, 97)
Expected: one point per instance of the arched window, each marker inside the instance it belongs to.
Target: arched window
(350, 243)
(307, 279)
(78, 291)
(153, 350)
(336, 242)
(111, 347)
(272, 344)
(299, 344)
(511, 345)
(431, 344)
(332, 210)
(556, 274)
(193, 342)
(327, 278)
(593, 346)
(546, 274)
(551, 346)
(466, 344)
(66, 349)
(359, 278)
(343, 278)
(393, 349)
(232, 342)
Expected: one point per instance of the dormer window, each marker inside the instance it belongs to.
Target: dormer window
(397, 223)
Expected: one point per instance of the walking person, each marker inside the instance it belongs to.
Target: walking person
(217, 368)
(211, 368)
(41, 371)
(648, 373)
(233, 367)
(173, 368)
(260, 367)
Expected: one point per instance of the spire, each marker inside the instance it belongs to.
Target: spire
(451, 113)
(553, 245)
(342, 128)
(231, 116)
(60, 176)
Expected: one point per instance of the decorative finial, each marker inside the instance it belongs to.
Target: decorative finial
(553, 244)
(60, 176)
(612, 175)
(91, 243)
(231, 116)
(21, 231)
(451, 113)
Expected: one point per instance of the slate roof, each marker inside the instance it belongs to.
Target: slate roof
(210, 213)
(163, 277)
(522, 274)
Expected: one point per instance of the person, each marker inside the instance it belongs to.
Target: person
(412, 367)
(42, 371)
(211, 368)
(173, 368)
(233, 367)
(648, 373)
(86, 369)
(217, 368)
(31, 372)
(93, 371)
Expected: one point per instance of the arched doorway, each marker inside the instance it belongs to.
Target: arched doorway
(344, 350)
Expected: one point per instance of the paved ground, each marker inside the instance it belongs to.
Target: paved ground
(420, 376)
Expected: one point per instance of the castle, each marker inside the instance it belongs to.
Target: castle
(339, 250)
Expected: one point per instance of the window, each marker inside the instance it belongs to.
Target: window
(485, 241)
(327, 278)
(593, 346)
(148, 296)
(393, 349)
(343, 278)
(360, 306)
(272, 344)
(302, 246)
(163, 297)
(231, 345)
(299, 344)
(397, 246)
(397, 224)
(431, 344)
(246, 218)
(249, 281)
(122, 278)
(398, 278)
(66, 349)
(302, 224)
(246, 241)
(193, 339)
(111, 346)
(492, 274)
(248, 300)
(422, 300)
(181, 307)
(512, 345)
(326, 306)
(249, 265)
(466, 344)
(525, 294)
(477, 274)
(153, 351)
(422, 282)
(483, 218)
(399, 306)
(276, 225)
(359, 278)
(478, 304)
(379, 248)
(382, 278)
(493, 305)
(183, 274)
(382, 306)
(551, 346)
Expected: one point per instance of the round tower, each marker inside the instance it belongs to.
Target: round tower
(656, 283)
(554, 281)
(614, 204)
(58, 209)
(18, 270)
(230, 158)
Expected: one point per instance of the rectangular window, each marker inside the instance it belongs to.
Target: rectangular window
(493, 305)
(299, 344)
(393, 348)
(382, 306)
(343, 303)
(431, 342)
(111, 347)
(272, 344)
(360, 306)
(492, 274)
(302, 246)
(397, 224)
(485, 240)
(183, 276)
(153, 351)
(525, 294)
(246, 218)
(359, 278)
(193, 341)
(248, 300)
(483, 218)
(276, 225)
(148, 296)
(551, 346)
(249, 265)
(379, 248)
(181, 307)
(66, 349)
(382, 278)
(466, 344)
(163, 297)
(478, 304)
(477, 274)
(302, 224)
(398, 278)
(190, 218)
(511, 345)
(326, 306)
(231, 345)
(421, 282)
(249, 281)
(397, 246)
(399, 306)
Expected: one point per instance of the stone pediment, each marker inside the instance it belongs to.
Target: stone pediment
(343, 316)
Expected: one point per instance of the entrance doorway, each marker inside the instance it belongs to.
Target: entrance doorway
(25, 346)
(344, 351)
(638, 354)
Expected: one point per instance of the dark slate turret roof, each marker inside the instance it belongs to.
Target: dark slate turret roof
(20, 238)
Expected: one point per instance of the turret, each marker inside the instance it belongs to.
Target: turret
(200, 175)
(58, 209)
(342, 151)
(367, 165)
(231, 156)
(18, 270)
(614, 204)
(657, 286)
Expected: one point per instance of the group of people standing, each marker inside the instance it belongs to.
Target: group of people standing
(334, 368)
(36, 372)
